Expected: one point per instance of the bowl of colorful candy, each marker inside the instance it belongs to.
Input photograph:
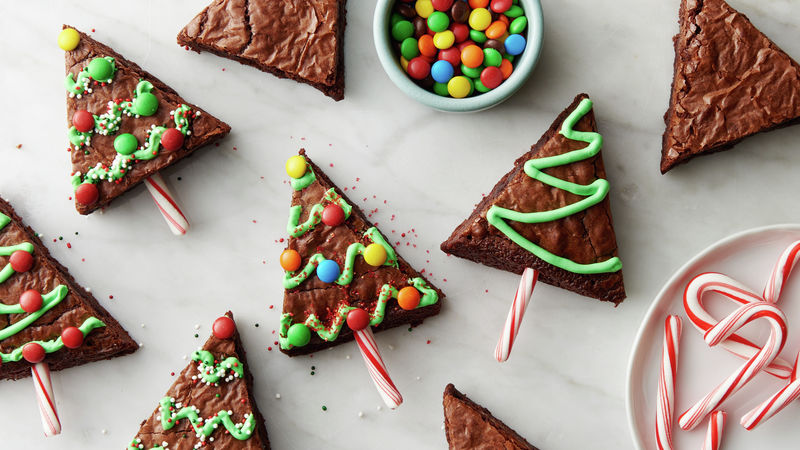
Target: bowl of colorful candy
(458, 55)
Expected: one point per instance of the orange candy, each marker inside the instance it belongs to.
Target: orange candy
(472, 56)
(478, 4)
(408, 297)
(503, 18)
(426, 47)
(290, 260)
(496, 29)
(506, 68)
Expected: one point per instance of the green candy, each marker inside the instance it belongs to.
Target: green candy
(471, 86)
(125, 144)
(471, 72)
(479, 37)
(440, 89)
(100, 69)
(402, 30)
(145, 104)
(438, 21)
(514, 12)
(479, 86)
(395, 18)
(409, 48)
(518, 25)
(492, 57)
(510, 58)
(299, 335)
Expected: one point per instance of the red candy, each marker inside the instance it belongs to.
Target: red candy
(333, 215)
(33, 352)
(87, 194)
(418, 68)
(442, 5)
(460, 31)
(172, 139)
(451, 55)
(83, 121)
(465, 44)
(223, 327)
(21, 261)
(491, 77)
(72, 337)
(357, 319)
(501, 6)
(30, 301)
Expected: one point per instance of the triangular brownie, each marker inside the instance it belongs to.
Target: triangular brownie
(468, 425)
(124, 123)
(337, 261)
(730, 82)
(298, 39)
(211, 404)
(44, 313)
(535, 222)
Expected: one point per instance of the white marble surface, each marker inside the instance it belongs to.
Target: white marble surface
(564, 385)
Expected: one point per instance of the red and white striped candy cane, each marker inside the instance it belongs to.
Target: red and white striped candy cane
(703, 321)
(774, 404)
(781, 271)
(725, 329)
(666, 382)
(376, 368)
(715, 427)
(40, 372)
(515, 314)
(166, 204)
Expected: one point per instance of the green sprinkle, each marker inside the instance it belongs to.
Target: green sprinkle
(313, 367)
(61, 238)
(256, 325)
(312, 372)
(196, 335)
(324, 408)
(217, 395)
(409, 329)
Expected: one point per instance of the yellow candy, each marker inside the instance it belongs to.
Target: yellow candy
(424, 8)
(296, 166)
(480, 19)
(404, 63)
(68, 39)
(444, 39)
(459, 87)
(375, 255)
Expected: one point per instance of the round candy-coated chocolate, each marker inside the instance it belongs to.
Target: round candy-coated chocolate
(375, 255)
(496, 30)
(290, 260)
(472, 56)
(299, 335)
(424, 8)
(478, 36)
(357, 319)
(172, 139)
(491, 77)
(507, 68)
(501, 6)
(33, 352)
(472, 72)
(495, 44)
(409, 48)
(21, 261)
(223, 328)
(479, 86)
(460, 12)
(492, 57)
(459, 87)
(438, 21)
(328, 271)
(87, 194)
(100, 69)
(442, 71)
(406, 10)
(68, 39)
(395, 18)
(83, 121)
(332, 215)
(125, 144)
(408, 297)
(478, 3)
(420, 27)
(515, 44)
(72, 337)
(518, 25)
(442, 5)
(145, 104)
(460, 32)
(418, 68)
(30, 300)
(441, 89)
(514, 12)
(451, 55)
(401, 30)
(296, 166)
(426, 83)
(444, 39)
(426, 47)
(480, 19)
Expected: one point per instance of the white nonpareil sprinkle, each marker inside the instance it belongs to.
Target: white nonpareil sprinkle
(142, 325)
(379, 408)
(347, 357)
(391, 347)
(361, 414)
(141, 344)
(197, 326)
(104, 431)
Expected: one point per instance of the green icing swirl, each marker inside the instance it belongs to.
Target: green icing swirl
(49, 300)
(212, 371)
(594, 193)
(331, 332)
(204, 427)
(53, 345)
(298, 184)
(296, 229)
(79, 86)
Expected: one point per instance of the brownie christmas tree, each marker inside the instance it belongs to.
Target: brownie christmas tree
(211, 404)
(44, 314)
(551, 213)
(337, 262)
(124, 124)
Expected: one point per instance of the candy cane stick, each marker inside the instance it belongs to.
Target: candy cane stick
(40, 372)
(666, 382)
(715, 427)
(781, 271)
(358, 321)
(514, 319)
(169, 208)
(774, 404)
(723, 330)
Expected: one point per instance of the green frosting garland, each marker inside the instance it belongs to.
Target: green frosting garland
(204, 428)
(315, 215)
(429, 297)
(81, 85)
(212, 371)
(49, 300)
(594, 193)
(298, 184)
(53, 345)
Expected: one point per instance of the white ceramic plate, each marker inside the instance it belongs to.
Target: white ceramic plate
(748, 257)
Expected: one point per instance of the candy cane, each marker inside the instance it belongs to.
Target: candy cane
(358, 320)
(781, 271)
(40, 372)
(725, 329)
(666, 382)
(514, 319)
(774, 404)
(703, 321)
(715, 427)
(169, 208)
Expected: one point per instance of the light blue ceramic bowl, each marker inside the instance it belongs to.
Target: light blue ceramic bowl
(523, 66)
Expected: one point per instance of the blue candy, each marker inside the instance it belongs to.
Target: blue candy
(328, 271)
(441, 71)
(515, 44)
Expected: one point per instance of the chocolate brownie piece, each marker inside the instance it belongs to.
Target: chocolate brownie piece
(372, 288)
(298, 39)
(218, 385)
(585, 237)
(731, 81)
(97, 147)
(468, 425)
(62, 303)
